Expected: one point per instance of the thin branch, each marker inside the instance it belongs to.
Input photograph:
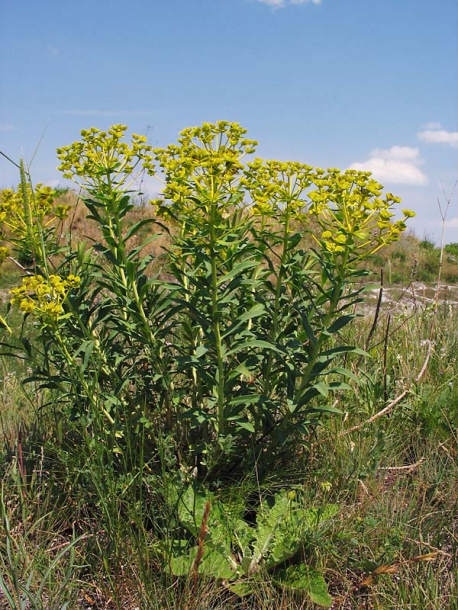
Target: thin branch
(443, 213)
(9, 159)
(407, 468)
(26, 271)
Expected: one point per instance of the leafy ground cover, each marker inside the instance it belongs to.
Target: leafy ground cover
(201, 408)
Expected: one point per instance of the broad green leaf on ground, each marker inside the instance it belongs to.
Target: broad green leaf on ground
(307, 580)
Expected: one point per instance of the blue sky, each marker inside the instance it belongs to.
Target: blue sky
(370, 84)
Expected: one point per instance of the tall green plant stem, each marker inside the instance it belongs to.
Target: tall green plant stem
(278, 289)
(115, 232)
(215, 310)
(40, 247)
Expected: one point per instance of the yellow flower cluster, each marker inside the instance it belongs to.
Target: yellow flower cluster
(277, 187)
(205, 164)
(206, 170)
(354, 216)
(13, 214)
(43, 297)
(103, 156)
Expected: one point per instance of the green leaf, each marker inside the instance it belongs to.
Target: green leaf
(135, 227)
(85, 348)
(246, 399)
(200, 351)
(236, 325)
(275, 540)
(343, 349)
(242, 588)
(216, 561)
(370, 287)
(325, 409)
(254, 312)
(239, 371)
(181, 560)
(285, 547)
(335, 386)
(322, 388)
(307, 580)
(308, 329)
(253, 343)
(246, 425)
(237, 270)
(344, 372)
(317, 514)
(340, 323)
(191, 507)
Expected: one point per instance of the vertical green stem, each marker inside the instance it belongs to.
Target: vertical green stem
(88, 392)
(115, 232)
(278, 289)
(216, 315)
(36, 248)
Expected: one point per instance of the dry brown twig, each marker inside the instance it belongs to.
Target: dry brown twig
(200, 543)
(407, 468)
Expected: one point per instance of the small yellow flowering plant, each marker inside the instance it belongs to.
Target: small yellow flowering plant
(222, 366)
(278, 189)
(29, 219)
(203, 171)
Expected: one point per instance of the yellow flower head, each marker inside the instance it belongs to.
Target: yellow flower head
(43, 297)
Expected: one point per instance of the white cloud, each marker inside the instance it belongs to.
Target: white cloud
(283, 3)
(439, 136)
(399, 153)
(6, 127)
(107, 113)
(396, 165)
(452, 223)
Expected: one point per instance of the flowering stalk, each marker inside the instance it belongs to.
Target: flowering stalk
(106, 166)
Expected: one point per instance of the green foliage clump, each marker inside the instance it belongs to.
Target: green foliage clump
(452, 249)
(427, 245)
(231, 361)
(239, 552)
(251, 312)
